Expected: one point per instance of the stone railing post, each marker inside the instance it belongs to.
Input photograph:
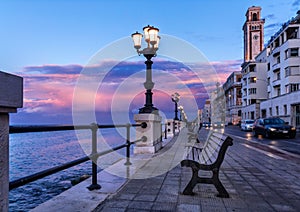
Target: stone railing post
(152, 132)
(11, 98)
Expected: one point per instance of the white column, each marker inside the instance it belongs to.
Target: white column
(4, 162)
(152, 132)
(11, 98)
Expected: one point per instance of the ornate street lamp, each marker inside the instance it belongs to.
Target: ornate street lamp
(152, 40)
(175, 99)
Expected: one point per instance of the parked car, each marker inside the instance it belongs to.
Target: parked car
(273, 127)
(247, 124)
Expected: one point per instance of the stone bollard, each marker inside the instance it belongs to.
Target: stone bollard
(11, 98)
(152, 132)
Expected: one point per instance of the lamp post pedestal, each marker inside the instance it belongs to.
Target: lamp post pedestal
(153, 132)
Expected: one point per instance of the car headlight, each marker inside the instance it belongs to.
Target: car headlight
(272, 129)
(293, 128)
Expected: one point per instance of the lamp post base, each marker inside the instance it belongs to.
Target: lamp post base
(148, 109)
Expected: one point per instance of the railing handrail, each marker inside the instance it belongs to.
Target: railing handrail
(50, 128)
(94, 155)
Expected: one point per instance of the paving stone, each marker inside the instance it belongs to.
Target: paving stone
(118, 203)
(283, 207)
(167, 198)
(166, 206)
(212, 208)
(188, 208)
(145, 197)
(125, 196)
(140, 205)
(109, 209)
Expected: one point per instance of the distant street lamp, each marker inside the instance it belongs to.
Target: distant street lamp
(180, 108)
(152, 40)
(175, 99)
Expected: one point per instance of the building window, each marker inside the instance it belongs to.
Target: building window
(278, 75)
(287, 89)
(278, 59)
(239, 112)
(252, 80)
(263, 113)
(277, 110)
(269, 66)
(252, 68)
(287, 71)
(286, 54)
(285, 109)
(294, 52)
(252, 90)
(254, 17)
(252, 115)
(294, 87)
(295, 70)
(278, 91)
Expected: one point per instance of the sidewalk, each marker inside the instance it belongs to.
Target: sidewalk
(255, 180)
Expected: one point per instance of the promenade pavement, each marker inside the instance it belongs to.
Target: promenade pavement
(255, 178)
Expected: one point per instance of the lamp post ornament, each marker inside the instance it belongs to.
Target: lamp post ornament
(152, 39)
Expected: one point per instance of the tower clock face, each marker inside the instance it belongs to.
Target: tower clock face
(255, 44)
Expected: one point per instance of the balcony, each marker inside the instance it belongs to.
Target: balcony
(276, 83)
(276, 52)
(276, 66)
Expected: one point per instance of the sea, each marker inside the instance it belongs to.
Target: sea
(34, 152)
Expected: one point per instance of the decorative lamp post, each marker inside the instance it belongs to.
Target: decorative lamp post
(175, 99)
(152, 39)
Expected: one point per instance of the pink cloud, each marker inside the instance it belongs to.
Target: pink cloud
(49, 88)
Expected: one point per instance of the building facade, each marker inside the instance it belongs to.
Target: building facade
(206, 113)
(271, 77)
(283, 74)
(233, 95)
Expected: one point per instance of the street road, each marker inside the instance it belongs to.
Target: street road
(287, 144)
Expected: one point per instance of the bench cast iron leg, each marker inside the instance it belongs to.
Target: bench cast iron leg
(193, 182)
(219, 186)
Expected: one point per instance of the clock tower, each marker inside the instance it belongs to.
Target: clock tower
(253, 33)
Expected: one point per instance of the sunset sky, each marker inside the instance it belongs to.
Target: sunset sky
(50, 43)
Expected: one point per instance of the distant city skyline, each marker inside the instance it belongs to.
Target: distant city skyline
(48, 42)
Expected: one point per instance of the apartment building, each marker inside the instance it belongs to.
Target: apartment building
(271, 78)
(233, 95)
(206, 112)
(283, 74)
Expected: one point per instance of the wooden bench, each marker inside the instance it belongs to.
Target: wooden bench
(208, 158)
(191, 132)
